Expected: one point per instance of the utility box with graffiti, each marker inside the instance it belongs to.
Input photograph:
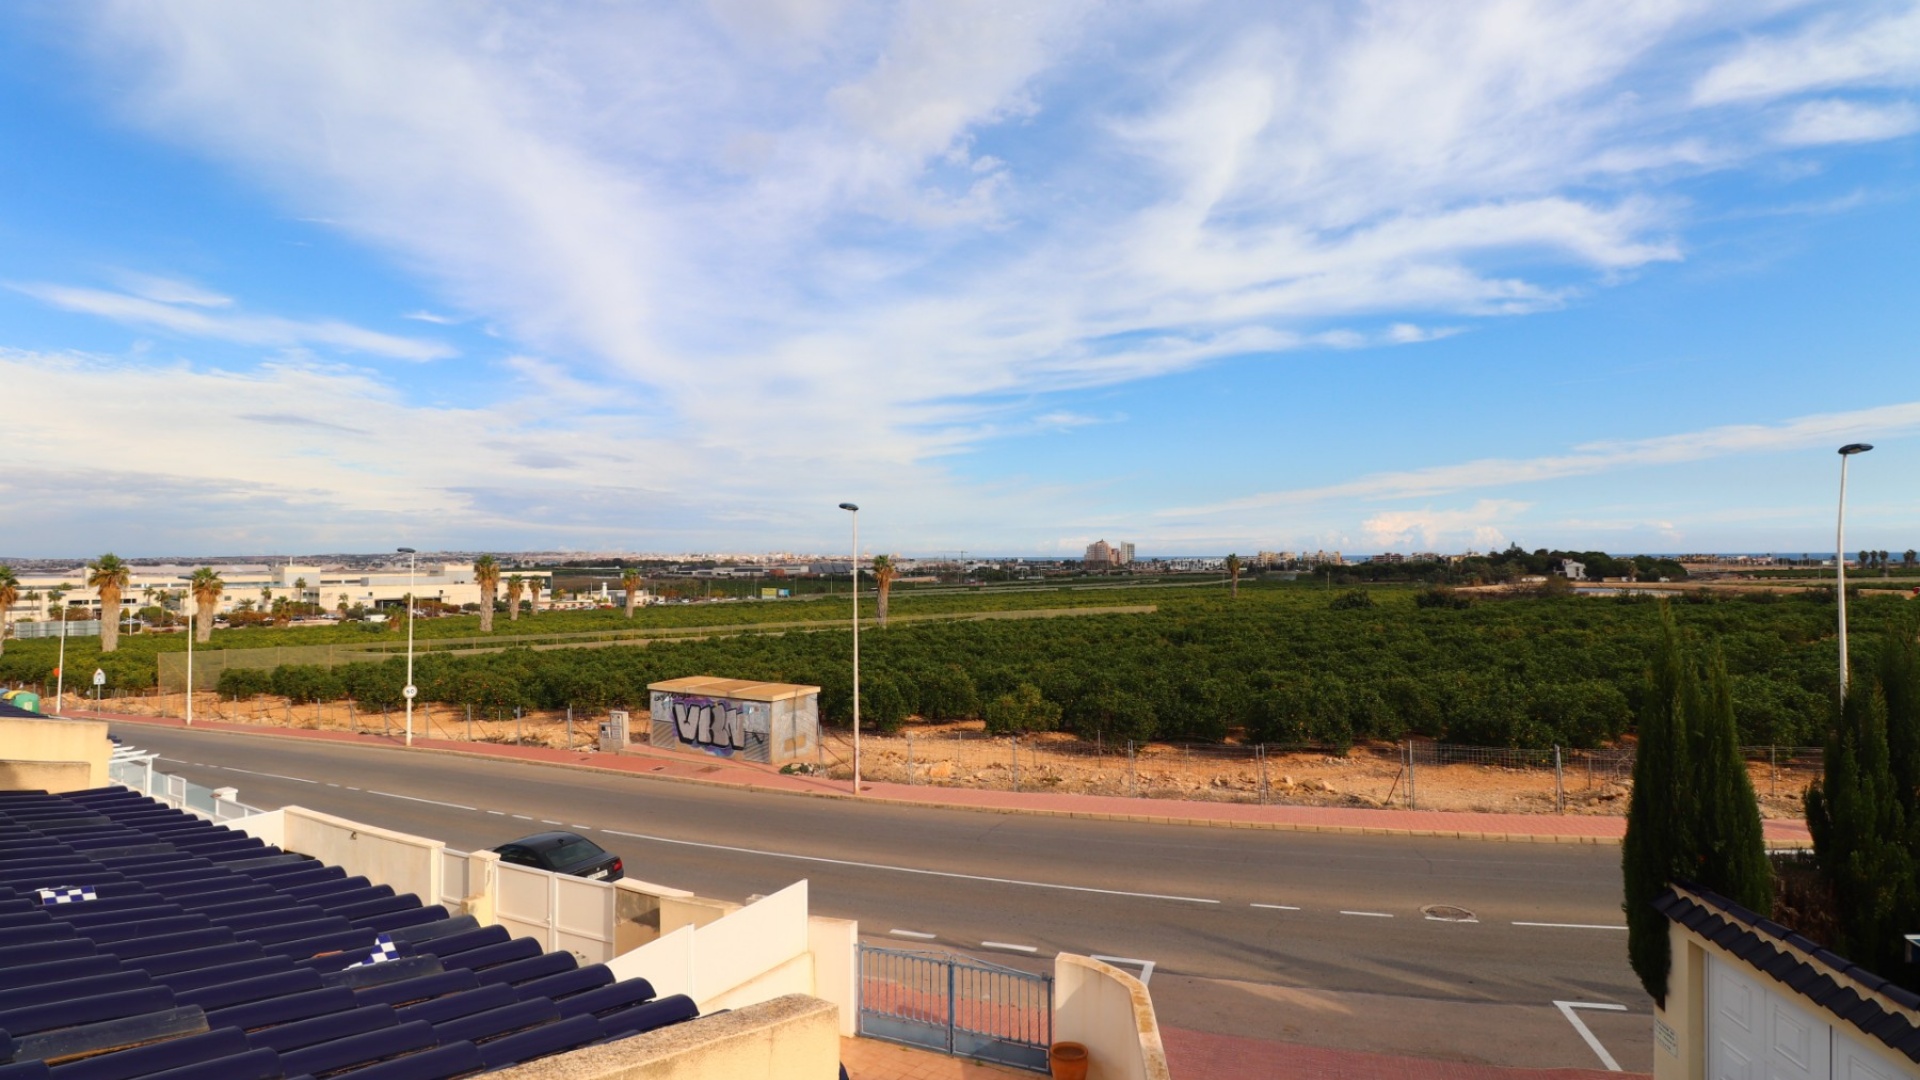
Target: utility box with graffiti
(771, 723)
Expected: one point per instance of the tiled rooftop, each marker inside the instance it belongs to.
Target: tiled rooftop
(138, 941)
(1784, 956)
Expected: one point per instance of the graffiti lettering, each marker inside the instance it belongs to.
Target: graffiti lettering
(715, 726)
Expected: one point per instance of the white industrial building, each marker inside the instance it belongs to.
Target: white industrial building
(329, 587)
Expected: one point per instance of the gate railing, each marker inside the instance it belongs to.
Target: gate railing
(956, 1004)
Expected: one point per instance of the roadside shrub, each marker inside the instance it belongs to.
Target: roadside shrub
(1026, 709)
(882, 707)
(948, 693)
(1352, 600)
(237, 683)
(307, 683)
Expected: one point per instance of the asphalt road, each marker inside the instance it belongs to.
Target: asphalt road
(1303, 937)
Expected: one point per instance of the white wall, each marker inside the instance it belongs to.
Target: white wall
(1111, 1013)
(411, 864)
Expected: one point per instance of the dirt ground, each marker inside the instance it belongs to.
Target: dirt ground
(962, 755)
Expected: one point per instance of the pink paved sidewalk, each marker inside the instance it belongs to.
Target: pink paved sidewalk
(704, 768)
(1197, 1055)
(1232, 1057)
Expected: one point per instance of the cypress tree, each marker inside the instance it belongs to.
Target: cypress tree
(1656, 848)
(1859, 814)
(1729, 849)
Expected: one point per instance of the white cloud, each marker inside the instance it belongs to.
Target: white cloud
(1479, 526)
(1864, 44)
(1836, 121)
(893, 218)
(182, 312)
(1598, 457)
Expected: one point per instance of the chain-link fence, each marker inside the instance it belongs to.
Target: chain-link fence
(1413, 774)
(1416, 774)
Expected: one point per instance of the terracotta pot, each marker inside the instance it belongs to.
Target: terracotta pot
(1067, 1061)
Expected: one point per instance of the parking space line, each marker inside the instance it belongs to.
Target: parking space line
(1566, 1009)
(1145, 966)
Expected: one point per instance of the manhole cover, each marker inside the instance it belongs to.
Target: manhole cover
(1447, 913)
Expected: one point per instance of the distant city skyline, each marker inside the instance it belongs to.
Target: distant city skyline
(1212, 277)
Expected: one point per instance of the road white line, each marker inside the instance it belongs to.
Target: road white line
(1566, 1009)
(1571, 925)
(409, 798)
(1369, 914)
(1436, 918)
(915, 934)
(550, 821)
(909, 869)
(1009, 947)
(273, 775)
(1145, 966)
(1276, 907)
(498, 813)
(332, 784)
(522, 817)
(588, 828)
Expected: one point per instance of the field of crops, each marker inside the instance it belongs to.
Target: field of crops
(1280, 664)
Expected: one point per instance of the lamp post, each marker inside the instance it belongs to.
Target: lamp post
(193, 615)
(855, 511)
(1840, 558)
(410, 690)
(60, 669)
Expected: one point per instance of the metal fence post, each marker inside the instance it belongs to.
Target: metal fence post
(1559, 785)
(569, 727)
(516, 725)
(1130, 773)
(1015, 742)
(1261, 752)
(950, 968)
(910, 779)
(1412, 802)
(469, 723)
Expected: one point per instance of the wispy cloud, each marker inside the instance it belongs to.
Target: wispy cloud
(186, 314)
(691, 225)
(1592, 458)
(1817, 123)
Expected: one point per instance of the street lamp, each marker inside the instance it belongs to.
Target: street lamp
(193, 616)
(410, 690)
(855, 511)
(1840, 558)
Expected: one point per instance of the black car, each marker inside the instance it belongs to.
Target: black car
(563, 853)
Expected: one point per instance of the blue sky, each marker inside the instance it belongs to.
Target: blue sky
(1207, 277)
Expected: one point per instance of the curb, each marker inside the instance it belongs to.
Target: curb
(1084, 815)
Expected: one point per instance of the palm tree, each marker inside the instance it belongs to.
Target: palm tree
(515, 586)
(883, 574)
(486, 574)
(110, 576)
(1233, 576)
(9, 595)
(630, 581)
(533, 595)
(207, 587)
(1909, 558)
(342, 608)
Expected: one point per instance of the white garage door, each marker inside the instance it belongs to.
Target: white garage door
(1754, 1033)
